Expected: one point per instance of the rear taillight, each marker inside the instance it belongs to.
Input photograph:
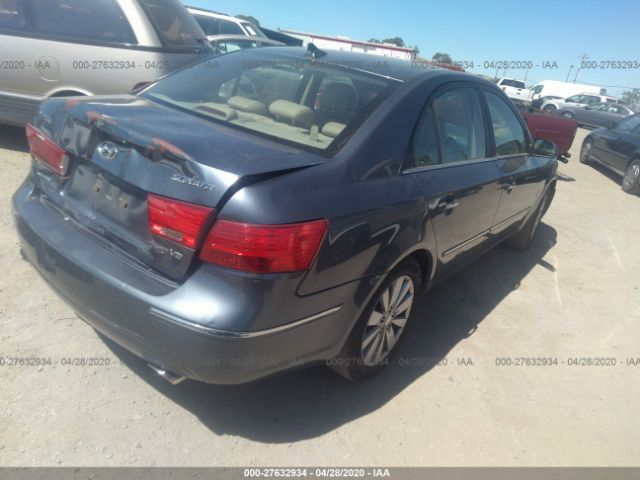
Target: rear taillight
(264, 248)
(46, 151)
(178, 221)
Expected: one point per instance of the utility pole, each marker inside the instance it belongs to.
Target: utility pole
(570, 68)
(582, 57)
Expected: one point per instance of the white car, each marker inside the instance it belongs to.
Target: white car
(580, 100)
(213, 24)
(515, 89)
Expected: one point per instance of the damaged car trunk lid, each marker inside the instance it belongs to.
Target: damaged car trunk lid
(118, 161)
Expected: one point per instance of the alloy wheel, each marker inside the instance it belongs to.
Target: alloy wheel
(631, 177)
(387, 321)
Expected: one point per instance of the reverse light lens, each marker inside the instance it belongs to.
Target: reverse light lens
(264, 248)
(46, 151)
(178, 221)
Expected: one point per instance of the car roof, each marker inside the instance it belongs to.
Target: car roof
(402, 70)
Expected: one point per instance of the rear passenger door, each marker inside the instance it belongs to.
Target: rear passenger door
(522, 176)
(449, 158)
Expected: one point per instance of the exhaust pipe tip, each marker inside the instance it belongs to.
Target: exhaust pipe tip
(170, 377)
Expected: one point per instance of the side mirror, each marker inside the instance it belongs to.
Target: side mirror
(611, 125)
(544, 148)
(587, 107)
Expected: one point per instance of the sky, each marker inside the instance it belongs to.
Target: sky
(551, 33)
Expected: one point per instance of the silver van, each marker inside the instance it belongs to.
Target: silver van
(54, 48)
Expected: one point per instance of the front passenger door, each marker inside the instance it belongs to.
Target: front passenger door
(448, 159)
(523, 176)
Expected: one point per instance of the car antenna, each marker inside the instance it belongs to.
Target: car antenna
(314, 52)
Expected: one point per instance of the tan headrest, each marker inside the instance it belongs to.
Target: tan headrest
(293, 113)
(333, 129)
(247, 105)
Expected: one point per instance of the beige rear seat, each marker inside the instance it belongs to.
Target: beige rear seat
(247, 105)
(292, 113)
(333, 129)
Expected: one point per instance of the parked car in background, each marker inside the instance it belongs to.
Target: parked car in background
(583, 99)
(537, 103)
(274, 212)
(514, 89)
(214, 23)
(223, 44)
(617, 148)
(560, 131)
(62, 48)
(563, 89)
(598, 115)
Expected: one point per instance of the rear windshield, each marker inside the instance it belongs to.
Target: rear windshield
(512, 83)
(295, 100)
(175, 26)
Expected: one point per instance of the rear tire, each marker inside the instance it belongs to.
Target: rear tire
(378, 333)
(524, 238)
(631, 179)
(585, 151)
(568, 115)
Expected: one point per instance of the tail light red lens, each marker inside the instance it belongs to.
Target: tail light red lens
(264, 248)
(178, 221)
(46, 151)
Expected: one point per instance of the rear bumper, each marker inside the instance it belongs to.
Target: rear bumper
(217, 327)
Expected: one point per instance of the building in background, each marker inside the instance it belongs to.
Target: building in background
(325, 42)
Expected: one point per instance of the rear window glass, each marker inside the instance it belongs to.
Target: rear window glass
(175, 26)
(309, 103)
(12, 16)
(512, 83)
(98, 20)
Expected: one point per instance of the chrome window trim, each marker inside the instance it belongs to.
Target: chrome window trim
(230, 335)
(451, 164)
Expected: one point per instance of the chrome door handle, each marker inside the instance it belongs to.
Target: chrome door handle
(448, 204)
(508, 187)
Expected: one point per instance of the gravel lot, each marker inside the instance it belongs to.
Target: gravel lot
(575, 294)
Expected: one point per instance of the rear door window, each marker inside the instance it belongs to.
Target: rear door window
(450, 129)
(98, 20)
(230, 28)
(12, 15)
(209, 25)
(509, 135)
(460, 126)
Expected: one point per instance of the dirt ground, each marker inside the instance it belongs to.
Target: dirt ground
(573, 298)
